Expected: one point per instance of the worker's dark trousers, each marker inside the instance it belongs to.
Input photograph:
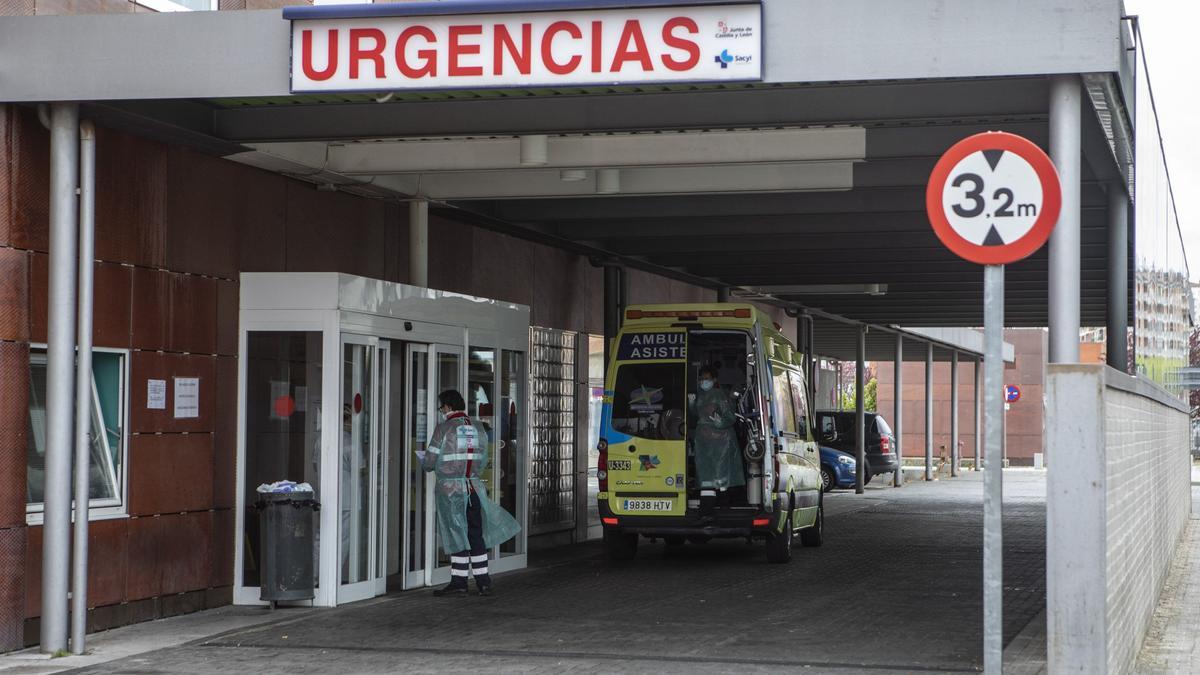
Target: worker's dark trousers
(473, 561)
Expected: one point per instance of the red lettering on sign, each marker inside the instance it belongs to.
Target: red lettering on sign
(683, 44)
(503, 42)
(548, 47)
(639, 52)
(457, 49)
(306, 57)
(374, 54)
(428, 56)
(597, 45)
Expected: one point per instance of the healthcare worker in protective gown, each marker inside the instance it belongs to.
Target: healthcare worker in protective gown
(718, 457)
(469, 523)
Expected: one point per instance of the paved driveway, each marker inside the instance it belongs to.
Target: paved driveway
(896, 588)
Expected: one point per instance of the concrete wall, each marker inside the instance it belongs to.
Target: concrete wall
(1117, 502)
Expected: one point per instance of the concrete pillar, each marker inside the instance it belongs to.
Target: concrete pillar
(60, 375)
(1118, 277)
(1065, 125)
(929, 411)
(898, 412)
(418, 243)
(860, 432)
(954, 458)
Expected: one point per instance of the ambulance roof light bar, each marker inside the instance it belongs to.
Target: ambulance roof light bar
(739, 313)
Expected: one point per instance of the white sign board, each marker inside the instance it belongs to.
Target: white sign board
(187, 397)
(156, 394)
(714, 43)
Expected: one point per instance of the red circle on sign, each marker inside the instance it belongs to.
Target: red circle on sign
(1042, 226)
(357, 403)
(284, 406)
(1012, 393)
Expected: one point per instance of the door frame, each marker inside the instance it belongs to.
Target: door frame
(376, 580)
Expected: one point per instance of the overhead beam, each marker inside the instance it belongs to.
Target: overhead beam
(786, 105)
(809, 176)
(593, 150)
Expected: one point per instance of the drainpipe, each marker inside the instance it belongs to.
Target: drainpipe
(60, 364)
(83, 382)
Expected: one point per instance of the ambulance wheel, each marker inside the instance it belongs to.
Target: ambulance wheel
(620, 546)
(779, 544)
(815, 535)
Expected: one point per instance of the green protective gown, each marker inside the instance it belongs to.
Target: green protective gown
(454, 442)
(718, 457)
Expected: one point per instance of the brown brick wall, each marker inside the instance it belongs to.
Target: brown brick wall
(1025, 418)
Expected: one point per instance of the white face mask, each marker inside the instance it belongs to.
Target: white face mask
(705, 385)
(444, 415)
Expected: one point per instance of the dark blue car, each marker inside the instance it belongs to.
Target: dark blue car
(837, 469)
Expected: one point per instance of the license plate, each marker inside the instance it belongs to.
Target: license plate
(648, 504)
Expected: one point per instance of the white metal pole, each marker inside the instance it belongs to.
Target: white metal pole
(83, 384)
(898, 419)
(418, 243)
(60, 368)
(993, 477)
(929, 411)
(1065, 242)
(860, 432)
(978, 402)
(954, 458)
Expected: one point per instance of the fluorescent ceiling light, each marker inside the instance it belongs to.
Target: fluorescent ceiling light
(824, 289)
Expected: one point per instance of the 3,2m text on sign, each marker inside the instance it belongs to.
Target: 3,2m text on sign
(665, 44)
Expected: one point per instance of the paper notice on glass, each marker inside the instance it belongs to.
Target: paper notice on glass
(301, 399)
(421, 455)
(187, 397)
(156, 394)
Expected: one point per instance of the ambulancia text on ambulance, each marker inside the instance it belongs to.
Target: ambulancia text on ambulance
(706, 433)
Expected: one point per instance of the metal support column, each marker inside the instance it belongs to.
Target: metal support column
(1118, 277)
(954, 454)
(83, 383)
(993, 477)
(1065, 242)
(978, 401)
(898, 413)
(60, 371)
(612, 310)
(929, 411)
(418, 243)
(860, 432)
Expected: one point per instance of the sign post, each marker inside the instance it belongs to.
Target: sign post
(993, 199)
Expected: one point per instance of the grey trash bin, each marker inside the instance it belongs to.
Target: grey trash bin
(286, 545)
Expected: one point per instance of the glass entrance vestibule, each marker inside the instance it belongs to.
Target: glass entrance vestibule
(337, 387)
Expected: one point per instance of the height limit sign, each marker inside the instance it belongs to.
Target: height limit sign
(993, 199)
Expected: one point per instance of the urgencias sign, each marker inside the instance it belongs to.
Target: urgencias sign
(707, 43)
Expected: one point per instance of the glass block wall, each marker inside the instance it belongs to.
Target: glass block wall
(552, 447)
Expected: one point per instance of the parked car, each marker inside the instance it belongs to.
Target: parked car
(835, 428)
(838, 469)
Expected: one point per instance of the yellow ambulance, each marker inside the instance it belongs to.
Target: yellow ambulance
(706, 432)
